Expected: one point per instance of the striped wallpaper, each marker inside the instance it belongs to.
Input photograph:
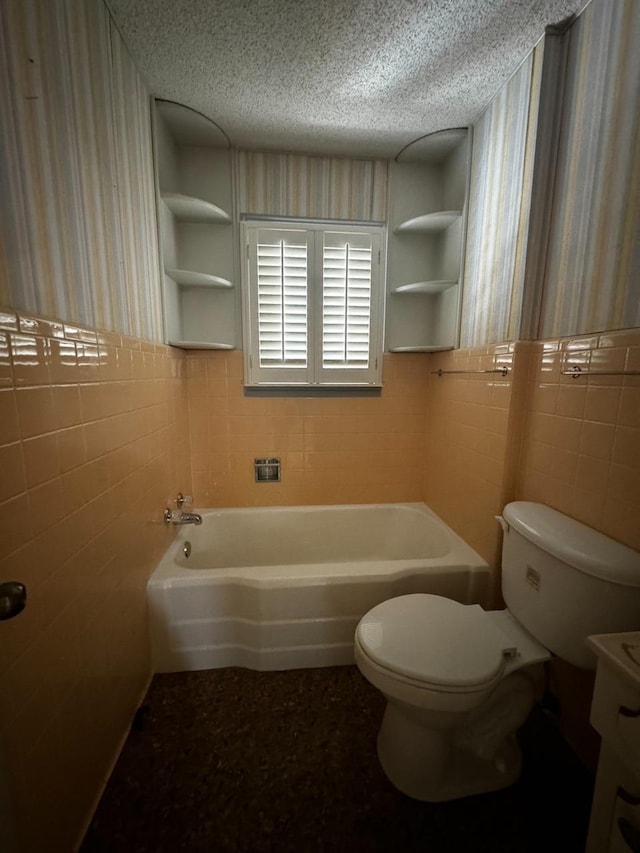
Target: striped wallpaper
(136, 195)
(498, 210)
(77, 216)
(592, 278)
(76, 211)
(313, 187)
(581, 271)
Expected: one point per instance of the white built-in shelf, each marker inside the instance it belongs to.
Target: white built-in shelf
(419, 349)
(429, 223)
(186, 208)
(199, 345)
(428, 287)
(188, 278)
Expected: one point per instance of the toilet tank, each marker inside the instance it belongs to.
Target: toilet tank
(564, 581)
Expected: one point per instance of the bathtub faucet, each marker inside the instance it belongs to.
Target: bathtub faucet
(174, 516)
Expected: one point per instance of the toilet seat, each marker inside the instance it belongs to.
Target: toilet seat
(435, 643)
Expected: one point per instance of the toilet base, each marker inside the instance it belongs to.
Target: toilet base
(425, 764)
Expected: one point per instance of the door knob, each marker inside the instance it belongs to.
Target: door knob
(13, 599)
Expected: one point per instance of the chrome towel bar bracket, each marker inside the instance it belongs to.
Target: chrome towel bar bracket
(576, 372)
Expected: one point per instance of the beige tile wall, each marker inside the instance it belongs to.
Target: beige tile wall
(98, 431)
(333, 450)
(93, 440)
(479, 439)
(473, 426)
(581, 451)
(573, 444)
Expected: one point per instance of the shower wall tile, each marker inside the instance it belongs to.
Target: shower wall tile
(474, 424)
(333, 449)
(12, 466)
(581, 448)
(90, 454)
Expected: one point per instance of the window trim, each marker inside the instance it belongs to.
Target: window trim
(315, 375)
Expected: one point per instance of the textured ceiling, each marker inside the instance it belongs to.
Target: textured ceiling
(358, 77)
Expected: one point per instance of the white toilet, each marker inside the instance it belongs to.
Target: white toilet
(459, 680)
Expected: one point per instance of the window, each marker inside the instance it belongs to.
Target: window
(313, 303)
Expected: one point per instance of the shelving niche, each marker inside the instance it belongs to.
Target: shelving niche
(194, 185)
(428, 199)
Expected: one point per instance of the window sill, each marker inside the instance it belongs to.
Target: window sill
(312, 390)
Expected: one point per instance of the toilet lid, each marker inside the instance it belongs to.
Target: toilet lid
(434, 639)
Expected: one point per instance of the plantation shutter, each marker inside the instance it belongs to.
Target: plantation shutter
(346, 300)
(313, 304)
(282, 264)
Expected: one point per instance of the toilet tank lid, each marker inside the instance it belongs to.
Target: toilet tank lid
(574, 543)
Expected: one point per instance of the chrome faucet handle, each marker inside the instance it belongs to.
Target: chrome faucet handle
(183, 500)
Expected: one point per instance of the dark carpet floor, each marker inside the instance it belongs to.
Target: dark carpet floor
(236, 760)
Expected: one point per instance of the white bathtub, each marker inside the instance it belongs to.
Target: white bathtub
(284, 587)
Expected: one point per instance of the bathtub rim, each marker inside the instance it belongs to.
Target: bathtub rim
(169, 573)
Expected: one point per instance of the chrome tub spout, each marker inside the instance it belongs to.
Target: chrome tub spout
(176, 517)
(189, 518)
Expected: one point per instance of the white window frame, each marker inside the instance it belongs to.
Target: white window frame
(314, 374)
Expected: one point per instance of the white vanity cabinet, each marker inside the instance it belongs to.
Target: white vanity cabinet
(195, 212)
(428, 200)
(615, 714)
